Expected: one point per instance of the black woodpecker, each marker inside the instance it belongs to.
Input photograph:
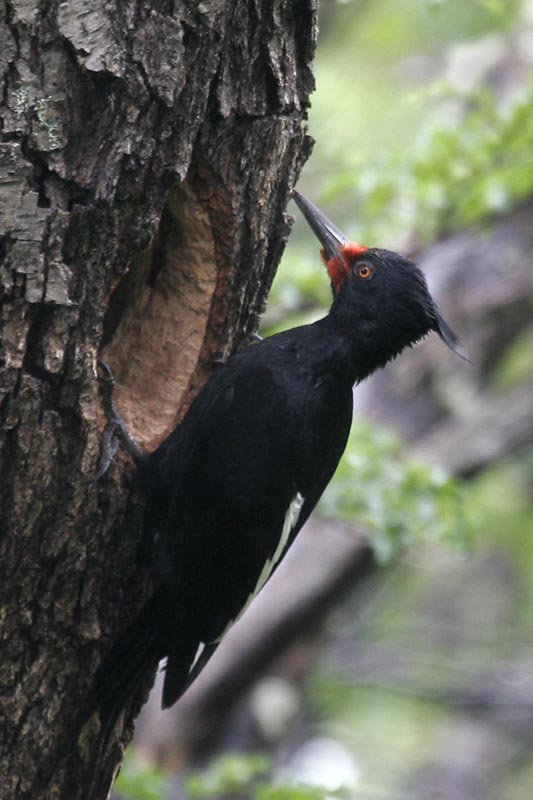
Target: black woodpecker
(230, 488)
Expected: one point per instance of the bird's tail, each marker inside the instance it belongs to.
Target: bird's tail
(118, 681)
(127, 667)
(180, 659)
(154, 634)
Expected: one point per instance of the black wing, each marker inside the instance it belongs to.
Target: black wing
(243, 472)
(262, 439)
(230, 475)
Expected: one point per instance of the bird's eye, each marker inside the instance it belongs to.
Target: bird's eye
(364, 271)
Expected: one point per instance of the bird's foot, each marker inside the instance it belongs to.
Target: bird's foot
(116, 427)
(108, 450)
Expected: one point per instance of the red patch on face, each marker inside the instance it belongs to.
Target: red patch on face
(341, 266)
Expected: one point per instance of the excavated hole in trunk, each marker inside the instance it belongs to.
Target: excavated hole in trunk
(156, 323)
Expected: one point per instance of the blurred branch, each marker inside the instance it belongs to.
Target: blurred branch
(503, 692)
(500, 426)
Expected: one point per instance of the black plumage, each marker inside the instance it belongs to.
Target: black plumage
(230, 488)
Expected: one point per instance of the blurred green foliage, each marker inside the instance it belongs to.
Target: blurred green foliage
(246, 775)
(515, 367)
(300, 792)
(243, 775)
(402, 156)
(400, 501)
(233, 773)
(140, 781)
(463, 173)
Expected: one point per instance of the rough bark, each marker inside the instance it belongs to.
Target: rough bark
(146, 155)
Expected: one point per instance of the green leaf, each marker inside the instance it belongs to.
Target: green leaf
(138, 781)
(401, 501)
(232, 773)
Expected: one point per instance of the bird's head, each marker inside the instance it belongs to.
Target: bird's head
(382, 293)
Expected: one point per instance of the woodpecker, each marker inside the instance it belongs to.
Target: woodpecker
(231, 487)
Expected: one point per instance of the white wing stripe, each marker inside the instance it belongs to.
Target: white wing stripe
(291, 518)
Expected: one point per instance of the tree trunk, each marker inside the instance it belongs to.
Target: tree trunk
(146, 157)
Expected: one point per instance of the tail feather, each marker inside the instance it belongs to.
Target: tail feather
(129, 663)
(180, 659)
(154, 634)
(119, 678)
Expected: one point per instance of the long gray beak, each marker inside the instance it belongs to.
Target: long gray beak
(329, 236)
(332, 239)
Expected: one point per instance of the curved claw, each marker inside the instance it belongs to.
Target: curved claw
(109, 372)
(109, 447)
(116, 427)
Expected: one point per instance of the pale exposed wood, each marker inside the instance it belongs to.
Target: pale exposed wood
(164, 303)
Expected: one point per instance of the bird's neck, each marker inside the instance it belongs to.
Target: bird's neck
(346, 348)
